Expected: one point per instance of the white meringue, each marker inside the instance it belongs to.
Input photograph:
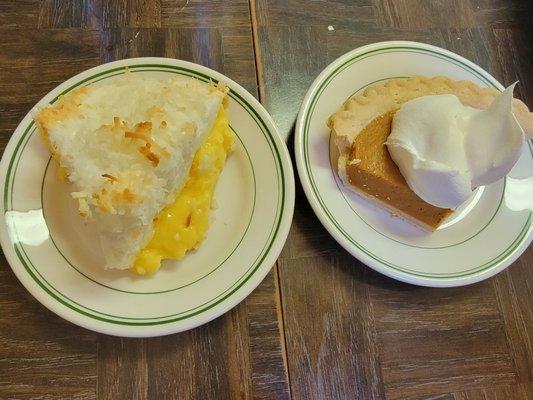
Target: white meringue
(445, 150)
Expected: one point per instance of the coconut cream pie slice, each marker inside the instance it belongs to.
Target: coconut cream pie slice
(419, 146)
(143, 157)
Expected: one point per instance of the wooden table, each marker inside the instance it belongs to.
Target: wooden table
(321, 325)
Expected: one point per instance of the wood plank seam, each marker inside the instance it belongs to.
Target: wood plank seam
(257, 51)
(372, 318)
(260, 86)
(96, 383)
(281, 323)
(144, 370)
(523, 375)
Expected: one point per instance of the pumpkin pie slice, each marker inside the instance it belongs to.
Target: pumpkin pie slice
(363, 125)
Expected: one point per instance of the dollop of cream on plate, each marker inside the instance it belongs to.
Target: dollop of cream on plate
(445, 150)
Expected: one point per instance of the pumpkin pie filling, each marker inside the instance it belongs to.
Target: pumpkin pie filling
(372, 171)
(364, 123)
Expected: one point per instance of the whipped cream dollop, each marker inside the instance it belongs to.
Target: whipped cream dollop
(445, 150)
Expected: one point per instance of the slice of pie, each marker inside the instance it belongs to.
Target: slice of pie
(143, 157)
(363, 125)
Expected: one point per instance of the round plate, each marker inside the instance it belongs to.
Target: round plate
(482, 238)
(57, 257)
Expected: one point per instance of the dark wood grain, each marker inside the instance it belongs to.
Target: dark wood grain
(321, 325)
(32, 62)
(502, 13)
(294, 13)
(41, 355)
(437, 341)
(239, 355)
(513, 50)
(515, 392)
(513, 289)
(351, 333)
(331, 333)
(63, 14)
(122, 368)
(19, 14)
(203, 14)
(429, 14)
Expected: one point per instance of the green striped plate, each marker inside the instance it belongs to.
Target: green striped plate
(57, 257)
(483, 237)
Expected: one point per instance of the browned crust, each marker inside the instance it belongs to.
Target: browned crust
(45, 119)
(376, 100)
(65, 107)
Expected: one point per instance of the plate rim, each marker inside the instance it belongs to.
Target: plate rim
(237, 291)
(325, 219)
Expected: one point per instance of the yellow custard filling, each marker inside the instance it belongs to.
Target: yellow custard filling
(182, 225)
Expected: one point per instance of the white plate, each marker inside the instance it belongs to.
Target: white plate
(57, 258)
(482, 238)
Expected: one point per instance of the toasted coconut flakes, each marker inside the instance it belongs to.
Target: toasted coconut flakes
(133, 188)
(102, 205)
(142, 131)
(152, 157)
(128, 195)
(110, 177)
